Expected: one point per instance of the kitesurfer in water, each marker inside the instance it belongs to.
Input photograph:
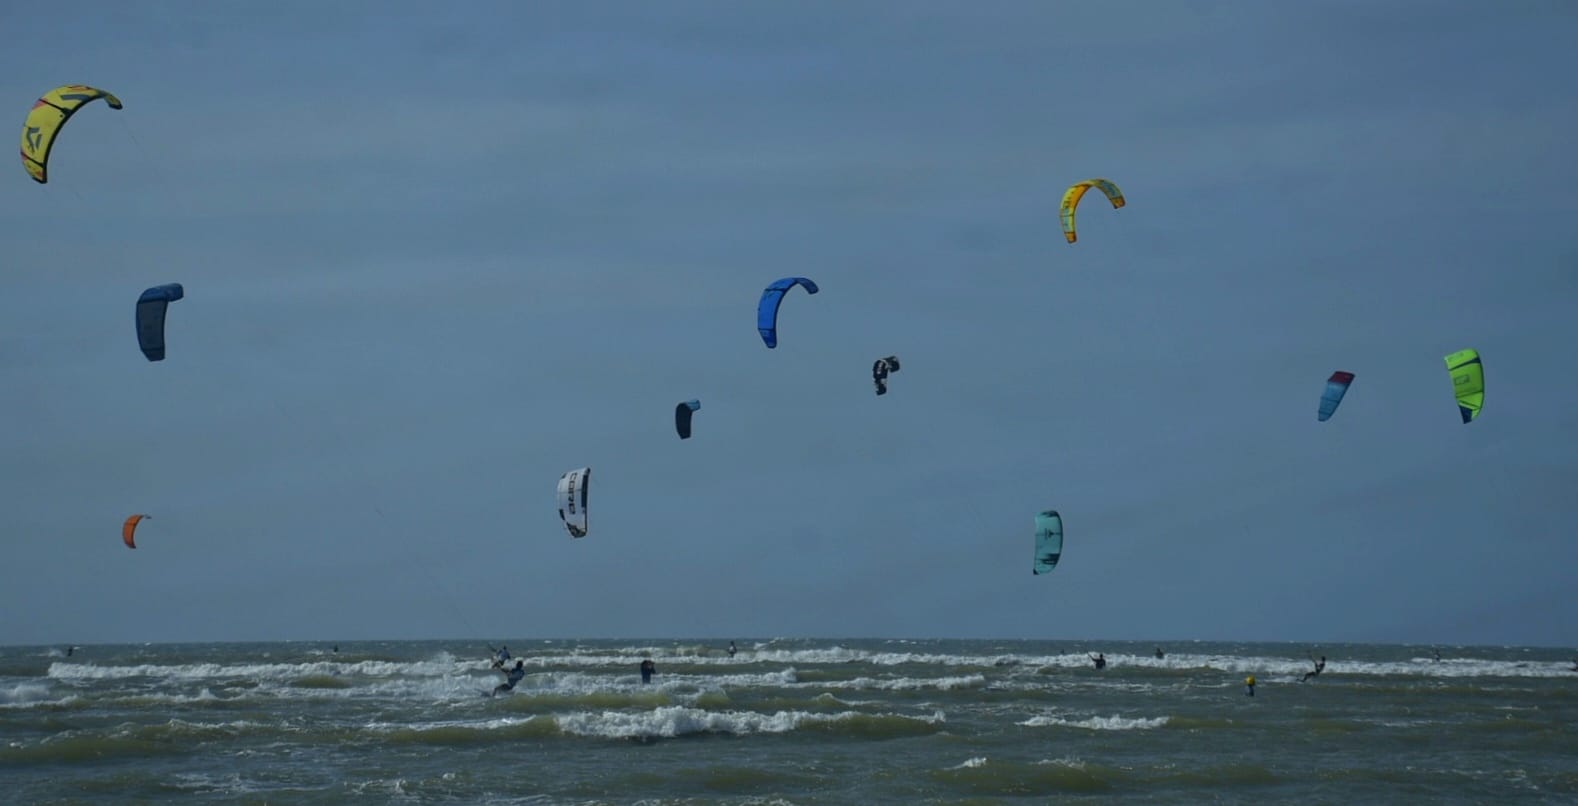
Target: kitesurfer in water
(69, 650)
(648, 668)
(500, 655)
(511, 678)
(1320, 666)
(1099, 659)
(1160, 654)
(732, 650)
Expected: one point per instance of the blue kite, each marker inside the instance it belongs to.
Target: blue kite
(682, 414)
(1336, 386)
(767, 308)
(150, 318)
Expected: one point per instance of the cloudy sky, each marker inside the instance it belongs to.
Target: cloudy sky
(434, 260)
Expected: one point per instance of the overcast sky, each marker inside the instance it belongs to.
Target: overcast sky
(433, 260)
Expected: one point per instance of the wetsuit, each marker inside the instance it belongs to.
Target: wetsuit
(501, 656)
(514, 677)
(1320, 666)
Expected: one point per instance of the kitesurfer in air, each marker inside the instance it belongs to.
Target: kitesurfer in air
(511, 677)
(1320, 666)
(648, 668)
(1099, 659)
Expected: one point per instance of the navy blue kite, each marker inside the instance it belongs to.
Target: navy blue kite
(150, 318)
(682, 414)
(767, 308)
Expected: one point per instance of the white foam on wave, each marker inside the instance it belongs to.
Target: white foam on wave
(1114, 722)
(1271, 666)
(673, 721)
(30, 695)
(901, 683)
(202, 695)
(231, 783)
(1066, 761)
(256, 671)
(1290, 667)
(665, 722)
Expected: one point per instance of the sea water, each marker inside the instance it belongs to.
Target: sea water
(785, 721)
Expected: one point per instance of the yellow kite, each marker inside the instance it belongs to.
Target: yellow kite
(1076, 192)
(48, 115)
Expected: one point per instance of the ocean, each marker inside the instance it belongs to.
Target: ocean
(786, 722)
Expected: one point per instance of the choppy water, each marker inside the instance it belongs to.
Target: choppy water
(785, 721)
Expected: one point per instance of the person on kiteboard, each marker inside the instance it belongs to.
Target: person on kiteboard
(1320, 666)
(511, 678)
(501, 655)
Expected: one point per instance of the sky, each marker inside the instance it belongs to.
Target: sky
(433, 261)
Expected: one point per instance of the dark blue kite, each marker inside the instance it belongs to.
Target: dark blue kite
(150, 318)
(682, 414)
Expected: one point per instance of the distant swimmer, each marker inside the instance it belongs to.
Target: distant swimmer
(648, 668)
(1249, 685)
(732, 650)
(1160, 654)
(511, 677)
(1099, 659)
(1320, 666)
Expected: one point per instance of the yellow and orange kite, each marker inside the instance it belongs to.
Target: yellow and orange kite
(1076, 192)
